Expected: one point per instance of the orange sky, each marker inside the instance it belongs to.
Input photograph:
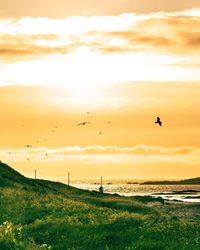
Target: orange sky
(125, 69)
(63, 8)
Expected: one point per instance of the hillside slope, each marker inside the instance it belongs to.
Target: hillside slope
(10, 178)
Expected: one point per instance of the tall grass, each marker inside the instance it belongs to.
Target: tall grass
(83, 220)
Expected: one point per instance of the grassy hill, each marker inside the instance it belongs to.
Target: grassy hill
(39, 214)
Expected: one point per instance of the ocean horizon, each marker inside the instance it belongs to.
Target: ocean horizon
(133, 187)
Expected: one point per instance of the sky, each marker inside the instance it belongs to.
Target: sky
(117, 66)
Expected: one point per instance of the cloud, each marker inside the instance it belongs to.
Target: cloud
(20, 47)
(104, 150)
(104, 154)
(175, 33)
(167, 34)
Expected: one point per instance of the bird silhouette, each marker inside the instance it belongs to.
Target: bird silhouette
(83, 123)
(28, 146)
(158, 121)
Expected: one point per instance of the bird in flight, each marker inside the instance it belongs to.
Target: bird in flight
(28, 146)
(83, 123)
(158, 121)
(100, 133)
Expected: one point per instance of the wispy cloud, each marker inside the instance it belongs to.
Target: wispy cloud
(176, 32)
(105, 154)
(103, 150)
(26, 47)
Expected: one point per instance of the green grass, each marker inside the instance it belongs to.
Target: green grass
(39, 214)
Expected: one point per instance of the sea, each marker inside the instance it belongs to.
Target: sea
(180, 193)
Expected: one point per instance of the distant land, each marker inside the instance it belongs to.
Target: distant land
(192, 181)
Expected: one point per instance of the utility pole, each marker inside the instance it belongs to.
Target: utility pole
(35, 174)
(68, 180)
(101, 190)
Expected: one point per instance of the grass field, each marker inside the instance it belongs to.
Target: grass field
(38, 214)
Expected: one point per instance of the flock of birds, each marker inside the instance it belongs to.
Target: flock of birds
(158, 121)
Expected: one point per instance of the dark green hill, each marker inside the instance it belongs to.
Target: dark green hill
(193, 181)
(10, 178)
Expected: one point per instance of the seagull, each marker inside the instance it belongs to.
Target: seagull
(108, 122)
(158, 121)
(83, 123)
(28, 146)
(100, 133)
